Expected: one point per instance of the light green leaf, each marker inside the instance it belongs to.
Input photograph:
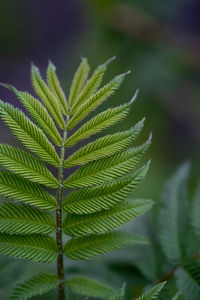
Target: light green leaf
(15, 187)
(76, 225)
(91, 86)
(32, 247)
(88, 287)
(98, 123)
(54, 86)
(47, 97)
(78, 81)
(104, 169)
(118, 295)
(90, 246)
(94, 199)
(95, 100)
(38, 285)
(26, 165)
(153, 292)
(25, 220)
(104, 146)
(28, 133)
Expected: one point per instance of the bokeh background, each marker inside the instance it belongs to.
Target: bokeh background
(159, 41)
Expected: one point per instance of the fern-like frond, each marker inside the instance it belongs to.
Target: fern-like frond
(78, 81)
(86, 286)
(98, 123)
(47, 97)
(26, 165)
(95, 100)
(153, 292)
(188, 280)
(172, 225)
(104, 146)
(117, 165)
(104, 196)
(90, 246)
(15, 187)
(28, 133)
(32, 247)
(54, 86)
(25, 220)
(91, 86)
(195, 219)
(118, 295)
(37, 285)
(75, 225)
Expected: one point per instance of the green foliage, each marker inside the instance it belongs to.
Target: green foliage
(89, 287)
(37, 285)
(107, 175)
(153, 292)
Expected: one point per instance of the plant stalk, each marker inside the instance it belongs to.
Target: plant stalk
(60, 263)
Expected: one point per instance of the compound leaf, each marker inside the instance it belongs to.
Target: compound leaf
(153, 292)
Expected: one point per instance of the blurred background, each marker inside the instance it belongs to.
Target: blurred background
(159, 41)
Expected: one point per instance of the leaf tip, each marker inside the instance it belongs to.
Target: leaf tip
(134, 96)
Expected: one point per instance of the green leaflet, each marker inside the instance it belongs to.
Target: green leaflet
(195, 220)
(90, 246)
(173, 222)
(104, 146)
(38, 285)
(28, 133)
(104, 169)
(54, 86)
(47, 97)
(153, 292)
(91, 86)
(78, 81)
(98, 123)
(25, 220)
(95, 100)
(75, 225)
(118, 294)
(88, 287)
(39, 113)
(26, 165)
(188, 280)
(104, 196)
(15, 187)
(32, 247)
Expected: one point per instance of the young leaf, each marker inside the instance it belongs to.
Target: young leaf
(26, 165)
(39, 113)
(195, 220)
(54, 86)
(104, 146)
(90, 246)
(188, 280)
(153, 292)
(15, 187)
(35, 286)
(75, 225)
(32, 247)
(28, 133)
(25, 220)
(78, 82)
(118, 294)
(47, 97)
(91, 86)
(104, 169)
(88, 287)
(95, 100)
(94, 199)
(98, 123)
(172, 220)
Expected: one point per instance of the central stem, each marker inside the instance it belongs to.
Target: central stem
(60, 264)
